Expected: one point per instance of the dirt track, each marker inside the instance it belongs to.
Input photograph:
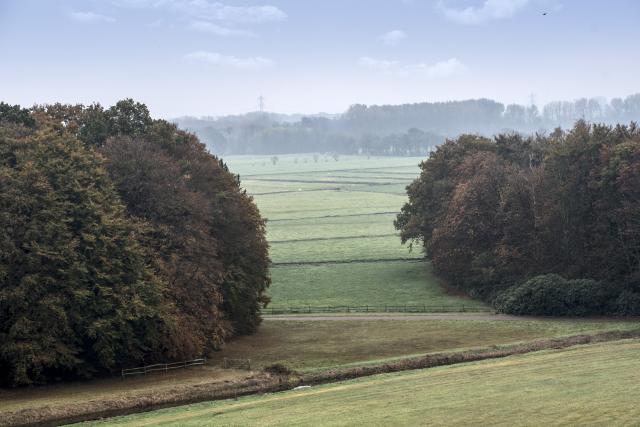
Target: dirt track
(380, 316)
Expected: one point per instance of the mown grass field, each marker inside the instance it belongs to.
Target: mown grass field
(595, 385)
(329, 211)
(383, 283)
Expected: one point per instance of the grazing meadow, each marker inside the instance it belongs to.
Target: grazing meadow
(331, 234)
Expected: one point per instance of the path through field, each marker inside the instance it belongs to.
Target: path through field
(439, 316)
(330, 227)
(421, 317)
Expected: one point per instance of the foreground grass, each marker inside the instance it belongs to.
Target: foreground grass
(586, 385)
(383, 283)
(304, 345)
(313, 345)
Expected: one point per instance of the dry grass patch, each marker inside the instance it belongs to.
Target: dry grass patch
(313, 345)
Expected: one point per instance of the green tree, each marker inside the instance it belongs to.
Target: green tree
(77, 298)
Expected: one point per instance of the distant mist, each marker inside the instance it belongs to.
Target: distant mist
(406, 129)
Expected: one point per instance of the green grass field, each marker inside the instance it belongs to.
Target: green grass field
(327, 211)
(584, 385)
(383, 283)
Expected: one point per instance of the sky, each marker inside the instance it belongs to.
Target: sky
(211, 58)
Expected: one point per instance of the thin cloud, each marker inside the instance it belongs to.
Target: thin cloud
(490, 10)
(247, 14)
(217, 30)
(207, 10)
(447, 68)
(214, 58)
(89, 17)
(392, 38)
(378, 64)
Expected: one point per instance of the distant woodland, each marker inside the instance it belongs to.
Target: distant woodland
(122, 242)
(546, 225)
(398, 130)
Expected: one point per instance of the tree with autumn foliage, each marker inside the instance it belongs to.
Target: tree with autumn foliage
(492, 215)
(123, 241)
(77, 297)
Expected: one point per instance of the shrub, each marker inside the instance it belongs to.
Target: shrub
(627, 304)
(553, 295)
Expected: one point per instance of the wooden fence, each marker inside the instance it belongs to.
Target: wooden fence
(376, 309)
(144, 370)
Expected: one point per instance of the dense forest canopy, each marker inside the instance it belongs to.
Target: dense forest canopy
(536, 225)
(122, 241)
(399, 130)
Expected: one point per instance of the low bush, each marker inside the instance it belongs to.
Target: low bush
(553, 295)
(627, 304)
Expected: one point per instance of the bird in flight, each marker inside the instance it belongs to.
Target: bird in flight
(544, 13)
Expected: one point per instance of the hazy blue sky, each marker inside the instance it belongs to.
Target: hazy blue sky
(203, 57)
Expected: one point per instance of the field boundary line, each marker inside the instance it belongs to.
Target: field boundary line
(376, 308)
(309, 190)
(304, 181)
(318, 239)
(336, 189)
(144, 370)
(416, 166)
(331, 216)
(347, 261)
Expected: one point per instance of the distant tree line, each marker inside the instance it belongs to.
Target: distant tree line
(399, 130)
(122, 242)
(538, 225)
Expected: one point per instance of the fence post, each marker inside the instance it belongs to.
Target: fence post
(309, 306)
